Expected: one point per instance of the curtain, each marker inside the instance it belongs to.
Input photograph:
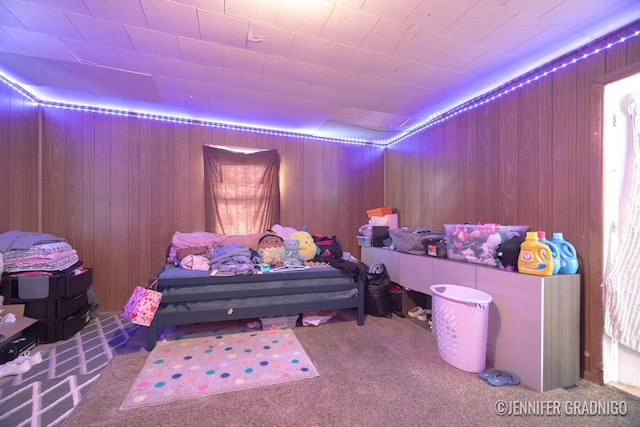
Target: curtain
(242, 190)
(622, 283)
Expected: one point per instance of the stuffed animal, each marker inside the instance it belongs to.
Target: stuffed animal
(270, 249)
(291, 255)
(306, 245)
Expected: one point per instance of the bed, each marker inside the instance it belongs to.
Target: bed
(191, 296)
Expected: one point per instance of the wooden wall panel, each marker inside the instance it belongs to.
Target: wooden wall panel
(532, 157)
(118, 188)
(19, 162)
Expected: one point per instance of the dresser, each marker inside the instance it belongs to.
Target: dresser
(534, 321)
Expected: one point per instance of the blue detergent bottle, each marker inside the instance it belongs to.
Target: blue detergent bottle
(568, 255)
(555, 252)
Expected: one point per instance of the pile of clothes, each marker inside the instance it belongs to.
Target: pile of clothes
(28, 251)
(24, 253)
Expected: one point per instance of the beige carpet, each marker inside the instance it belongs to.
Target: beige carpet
(385, 373)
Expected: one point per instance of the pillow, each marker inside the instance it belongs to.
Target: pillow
(187, 240)
(193, 250)
(249, 240)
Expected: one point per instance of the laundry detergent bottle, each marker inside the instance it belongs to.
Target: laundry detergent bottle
(535, 257)
(555, 252)
(568, 255)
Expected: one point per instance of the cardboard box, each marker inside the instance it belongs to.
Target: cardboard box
(385, 210)
(11, 331)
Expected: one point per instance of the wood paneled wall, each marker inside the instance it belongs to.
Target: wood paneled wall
(532, 157)
(118, 188)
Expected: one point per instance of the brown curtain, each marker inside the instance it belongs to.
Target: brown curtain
(241, 190)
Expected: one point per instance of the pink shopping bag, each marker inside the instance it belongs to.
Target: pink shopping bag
(142, 304)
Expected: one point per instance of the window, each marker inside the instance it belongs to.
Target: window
(242, 190)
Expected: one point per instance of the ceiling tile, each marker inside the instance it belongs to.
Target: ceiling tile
(66, 5)
(7, 44)
(223, 76)
(281, 68)
(210, 5)
(269, 40)
(141, 62)
(490, 14)
(310, 49)
(514, 32)
(263, 11)
(184, 70)
(171, 17)
(389, 37)
(41, 45)
(425, 46)
(223, 29)
(8, 20)
(126, 12)
(316, 75)
(243, 60)
(532, 8)
(99, 31)
(120, 84)
(154, 42)
(239, 95)
(304, 17)
(457, 55)
(39, 71)
(571, 13)
(397, 10)
(348, 58)
(348, 26)
(201, 52)
(437, 15)
(42, 19)
(94, 54)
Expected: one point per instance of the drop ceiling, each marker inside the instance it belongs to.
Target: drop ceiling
(347, 69)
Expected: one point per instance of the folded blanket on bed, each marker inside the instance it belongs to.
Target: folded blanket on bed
(190, 240)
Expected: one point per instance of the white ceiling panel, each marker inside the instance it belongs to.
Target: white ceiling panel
(101, 32)
(348, 26)
(41, 19)
(311, 49)
(223, 29)
(171, 17)
(389, 37)
(368, 69)
(492, 15)
(269, 40)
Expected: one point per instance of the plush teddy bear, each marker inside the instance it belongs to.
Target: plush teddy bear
(306, 246)
(291, 255)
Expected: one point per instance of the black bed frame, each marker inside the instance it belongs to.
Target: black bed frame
(297, 279)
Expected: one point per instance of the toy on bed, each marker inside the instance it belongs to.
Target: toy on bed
(306, 246)
(270, 249)
(291, 255)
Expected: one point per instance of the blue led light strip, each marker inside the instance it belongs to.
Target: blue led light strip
(485, 99)
(469, 105)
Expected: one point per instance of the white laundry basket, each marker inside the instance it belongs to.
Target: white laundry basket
(460, 320)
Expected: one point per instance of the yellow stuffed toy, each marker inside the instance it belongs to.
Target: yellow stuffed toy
(307, 247)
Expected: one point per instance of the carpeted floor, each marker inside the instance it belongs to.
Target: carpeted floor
(387, 372)
(49, 392)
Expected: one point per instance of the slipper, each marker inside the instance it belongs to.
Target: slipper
(490, 373)
(504, 378)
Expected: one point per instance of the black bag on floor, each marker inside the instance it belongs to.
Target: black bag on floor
(377, 298)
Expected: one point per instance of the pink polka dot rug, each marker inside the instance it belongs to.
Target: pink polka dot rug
(186, 368)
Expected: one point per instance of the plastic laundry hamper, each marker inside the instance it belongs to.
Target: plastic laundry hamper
(461, 318)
